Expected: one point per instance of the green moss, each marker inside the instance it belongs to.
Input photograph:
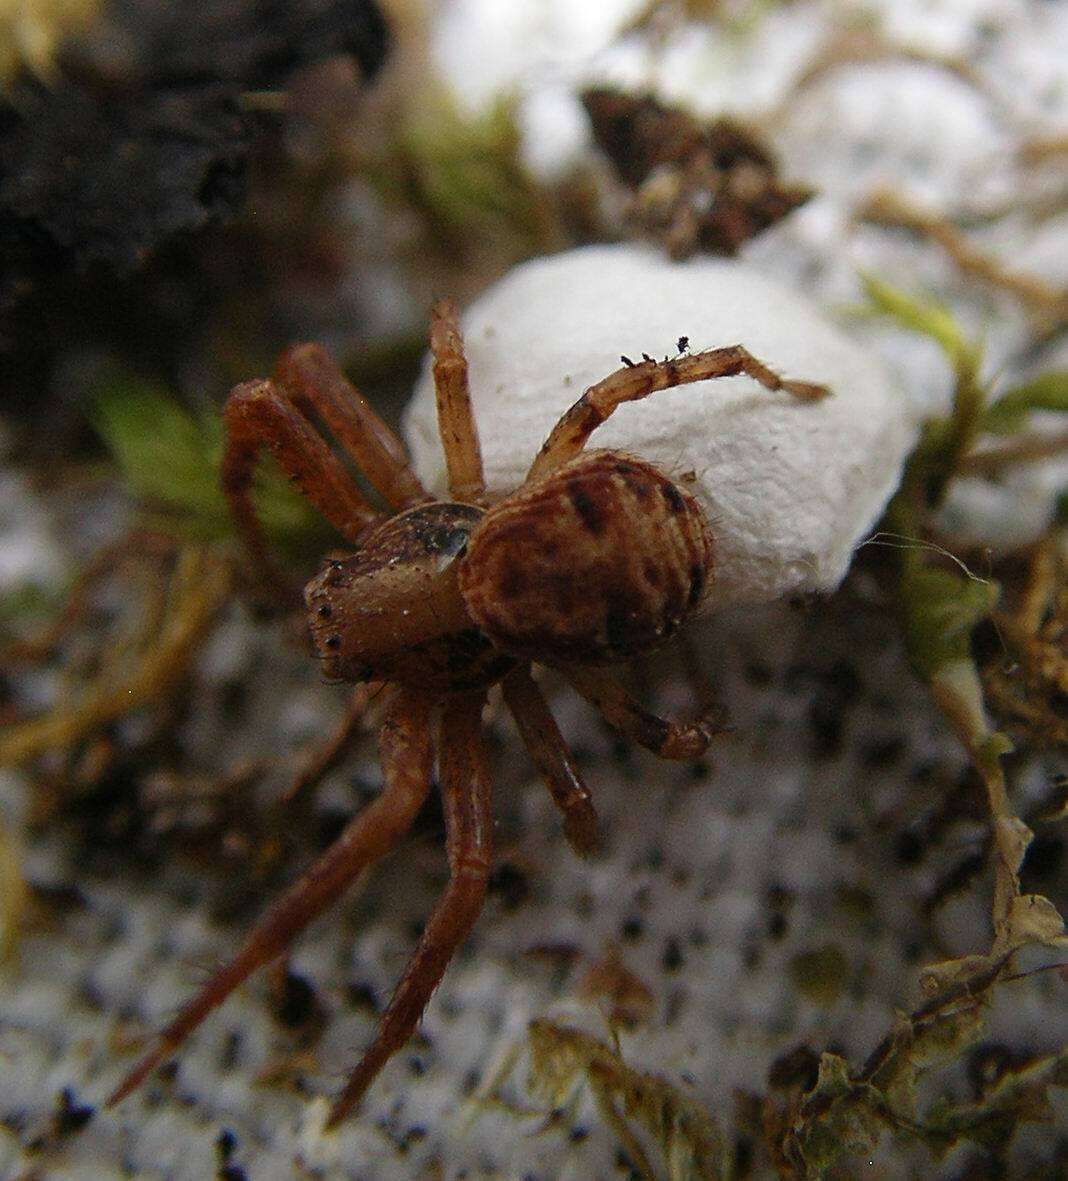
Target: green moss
(170, 460)
(1048, 391)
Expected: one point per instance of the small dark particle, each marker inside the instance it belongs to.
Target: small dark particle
(632, 929)
(510, 884)
(225, 1146)
(72, 1116)
(672, 959)
(1044, 861)
(626, 1166)
(297, 1004)
(743, 1157)
(883, 752)
(363, 996)
(908, 848)
(627, 361)
(989, 1062)
(798, 1067)
(231, 1050)
(646, 357)
(759, 675)
(325, 611)
(682, 344)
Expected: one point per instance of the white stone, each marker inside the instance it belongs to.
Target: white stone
(790, 487)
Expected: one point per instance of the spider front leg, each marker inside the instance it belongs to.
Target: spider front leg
(456, 422)
(465, 791)
(547, 748)
(258, 416)
(407, 761)
(316, 384)
(634, 382)
(669, 740)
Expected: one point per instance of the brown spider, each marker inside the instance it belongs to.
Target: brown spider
(596, 558)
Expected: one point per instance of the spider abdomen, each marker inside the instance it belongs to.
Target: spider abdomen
(598, 561)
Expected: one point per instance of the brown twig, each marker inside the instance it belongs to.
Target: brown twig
(890, 209)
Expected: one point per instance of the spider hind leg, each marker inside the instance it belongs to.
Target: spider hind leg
(465, 791)
(406, 752)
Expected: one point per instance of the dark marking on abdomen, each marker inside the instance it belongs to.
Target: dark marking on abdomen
(697, 584)
(673, 497)
(591, 513)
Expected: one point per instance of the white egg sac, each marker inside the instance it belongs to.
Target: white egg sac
(790, 487)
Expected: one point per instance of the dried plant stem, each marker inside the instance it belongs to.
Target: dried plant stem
(131, 546)
(1031, 686)
(141, 668)
(886, 208)
(1023, 449)
(1043, 148)
(12, 892)
(690, 1141)
(853, 47)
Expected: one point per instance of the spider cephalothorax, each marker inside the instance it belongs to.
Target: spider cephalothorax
(596, 558)
(394, 610)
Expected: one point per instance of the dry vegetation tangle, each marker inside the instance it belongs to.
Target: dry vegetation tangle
(595, 559)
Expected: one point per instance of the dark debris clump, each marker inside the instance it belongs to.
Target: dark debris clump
(144, 133)
(696, 187)
(94, 177)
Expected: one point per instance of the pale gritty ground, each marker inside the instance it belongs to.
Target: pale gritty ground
(792, 838)
(788, 840)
